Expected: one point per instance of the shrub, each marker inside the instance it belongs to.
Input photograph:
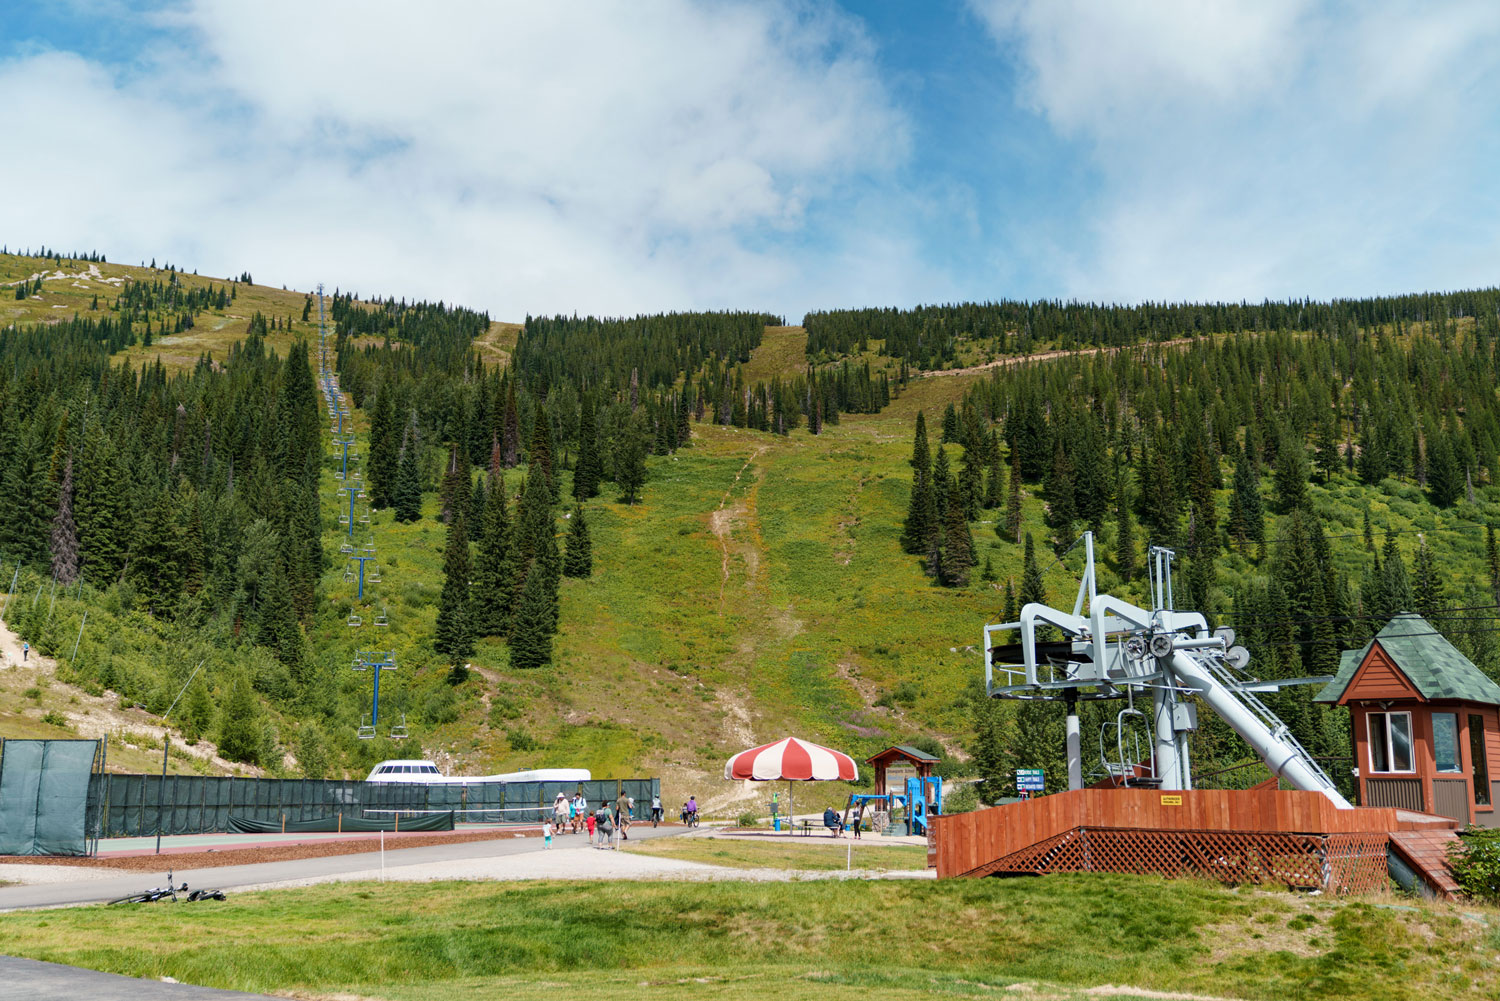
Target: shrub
(748, 820)
(520, 740)
(54, 718)
(1475, 861)
(33, 693)
(961, 799)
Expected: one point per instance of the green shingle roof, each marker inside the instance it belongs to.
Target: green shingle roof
(1429, 661)
(916, 752)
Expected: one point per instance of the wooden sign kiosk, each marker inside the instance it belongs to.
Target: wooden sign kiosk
(1425, 721)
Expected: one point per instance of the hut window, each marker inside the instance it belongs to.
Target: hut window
(1481, 763)
(1390, 742)
(1445, 742)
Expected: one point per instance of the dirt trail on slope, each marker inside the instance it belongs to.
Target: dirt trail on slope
(1010, 360)
(94, 716)
(721, 522)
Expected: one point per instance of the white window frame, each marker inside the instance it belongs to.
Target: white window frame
(1385, 738)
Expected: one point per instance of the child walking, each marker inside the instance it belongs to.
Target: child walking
(547, 835)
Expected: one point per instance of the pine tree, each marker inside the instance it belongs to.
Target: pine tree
(453, 635)
(455, 488)
(994, 484)
(539, 454)
(407, 495)
(1032, 588)
(1368, 533)
(239, 724)
(1012, 610)
(64, 545)
(1291, 472)
(1395, 582)
(914, 532)
(154, 569)
(630, 459)
(958, 545)
(531, 633)
(1247, 518)
(1013, 503)
(579, 558)
(942, 480)
(1061, 512)
(988, 573)
(1125, 563)
(1492, 561)
(971, 482)
(1445, 481)
(1329, 460)
(493, 583)
(586, 471)
(1427, 586)
(385, 449)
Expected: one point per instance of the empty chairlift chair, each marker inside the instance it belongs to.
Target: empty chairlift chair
(366, 730)
(398, 732)
(382, 619)
(355, 621)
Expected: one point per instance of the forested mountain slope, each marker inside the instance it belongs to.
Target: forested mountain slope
(748, 577)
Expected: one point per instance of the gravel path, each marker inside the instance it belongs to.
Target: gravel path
(588, 863)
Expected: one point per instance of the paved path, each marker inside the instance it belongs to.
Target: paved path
(32, 980)
(363, 865)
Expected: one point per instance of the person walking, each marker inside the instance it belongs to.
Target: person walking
(622, 816)
(25, 651)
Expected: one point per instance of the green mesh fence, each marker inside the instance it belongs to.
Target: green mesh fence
(197, 804)
(49, 799)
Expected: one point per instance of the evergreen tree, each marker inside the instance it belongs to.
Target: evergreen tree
(630, 460)
(1291, 472)
(957, 557)
(312, 748)
(1427, 586)
(154, 567)
(1012, 610)
(1013, 503)
(587, 471)
(64, 532)
(1329, 460)
(453, 635)
(1247, 519)
(407, 495)
(1445, 481)
(992, 751)
(455, 488)
(994, 484)
(384, 450)
(197, 713)
(1125, 563)
(970, 482)
(531, 633)
(1061, 512)
(102, 508)
(988, 573)
(915, 531)
(539, 455)
(1394, 581)
(239, 723)
(1492, 561)
(1368, 533)
(578, 561)
(493, 581)
(1032, 588)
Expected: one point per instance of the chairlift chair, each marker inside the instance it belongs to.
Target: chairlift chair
(355, 621)
(359, 664)
(374, 575)
(348, 575)
(338, 474)
(382, 619)
(366, 731)
(343, 519)
(364, 517)
(398, 732)
(346, 548)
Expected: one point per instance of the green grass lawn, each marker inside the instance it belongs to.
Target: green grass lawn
(826, 853)
(795, 940)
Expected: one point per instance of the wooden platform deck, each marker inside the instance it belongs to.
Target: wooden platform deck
(1237, 836)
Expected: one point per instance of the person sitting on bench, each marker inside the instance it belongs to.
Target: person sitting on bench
(832, 821)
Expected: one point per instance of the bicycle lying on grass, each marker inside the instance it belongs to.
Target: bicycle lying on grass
(163, 892)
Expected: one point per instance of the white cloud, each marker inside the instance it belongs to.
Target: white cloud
(598, 157)
(1249, 149)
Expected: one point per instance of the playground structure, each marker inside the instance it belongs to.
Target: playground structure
(920, 798)
(360, 566)
(1160, 663)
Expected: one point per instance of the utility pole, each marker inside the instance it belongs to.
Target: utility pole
(166, 742)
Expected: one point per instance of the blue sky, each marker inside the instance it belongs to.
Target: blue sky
(781, 155)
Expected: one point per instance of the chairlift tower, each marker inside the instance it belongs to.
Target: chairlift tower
(355, 492)
(1112, 649)
(375, 661)
(363, 556)
(344, 442)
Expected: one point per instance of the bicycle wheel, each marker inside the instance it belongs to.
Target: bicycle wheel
(134, 898)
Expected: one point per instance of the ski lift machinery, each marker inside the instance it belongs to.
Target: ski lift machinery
(1112, 649)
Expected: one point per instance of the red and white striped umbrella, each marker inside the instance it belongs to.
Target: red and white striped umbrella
(791, 760)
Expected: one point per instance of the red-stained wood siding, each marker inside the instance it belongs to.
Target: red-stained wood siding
(1379, 678)
(965, 842)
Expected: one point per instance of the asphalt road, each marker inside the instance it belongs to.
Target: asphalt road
(33, 980)
(228, 877)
